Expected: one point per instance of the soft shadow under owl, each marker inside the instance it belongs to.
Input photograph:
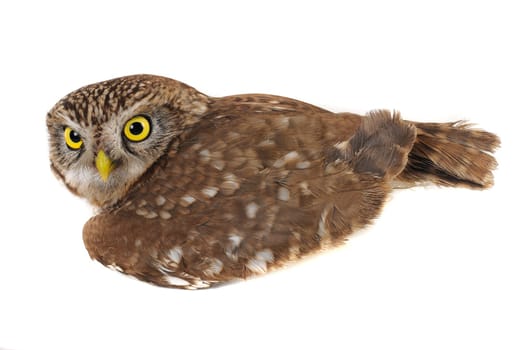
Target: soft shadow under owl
(192, 191)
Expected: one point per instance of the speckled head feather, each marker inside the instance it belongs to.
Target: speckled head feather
(192, 190)
(97, 103)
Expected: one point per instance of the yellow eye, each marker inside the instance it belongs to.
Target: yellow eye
(72, 138)
(137, 129)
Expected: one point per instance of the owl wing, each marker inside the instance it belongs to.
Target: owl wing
(245, 193)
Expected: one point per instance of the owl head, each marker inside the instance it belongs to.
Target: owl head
(104, 137)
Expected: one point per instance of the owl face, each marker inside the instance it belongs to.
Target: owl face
(104, 137)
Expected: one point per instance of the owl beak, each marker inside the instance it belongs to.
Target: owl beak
(104, 164)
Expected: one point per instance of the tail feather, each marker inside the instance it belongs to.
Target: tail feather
(451, 154)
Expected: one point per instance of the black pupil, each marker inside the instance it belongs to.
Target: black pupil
(74, 136)
(136, 128)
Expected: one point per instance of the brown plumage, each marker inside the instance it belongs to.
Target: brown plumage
(199, 190)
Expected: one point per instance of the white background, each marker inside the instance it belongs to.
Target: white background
(440, 269)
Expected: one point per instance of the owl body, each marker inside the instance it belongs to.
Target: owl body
(193, 190)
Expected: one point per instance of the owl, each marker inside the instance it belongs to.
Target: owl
(192, 191)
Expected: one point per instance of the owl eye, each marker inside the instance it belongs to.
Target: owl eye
(137, 129)
(72, 138)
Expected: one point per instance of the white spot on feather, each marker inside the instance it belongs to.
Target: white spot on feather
(151, 215)
(291, 156)
(294, 252)
(342, 146)
(115, 267)
(160, 200)
(198, 284)
(215, 267)
(279, 163)
(165, 215)
(218, 164)
(280, 108)
(175, 254)
(284, 121)
(235, 239)
(141, 211)
(230, 177)
(322, 223)
(205, 155)
(251, 209)
(266, 143)
(258, 264)
(231, 249)
(303, 165)
(146, 213)
(210, 191)
(283, 194)
(229, 187)
(176, 281)
(187, 200)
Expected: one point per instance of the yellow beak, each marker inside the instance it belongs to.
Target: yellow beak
(104, 165)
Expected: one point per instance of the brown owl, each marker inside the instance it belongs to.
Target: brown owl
(193, 190)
